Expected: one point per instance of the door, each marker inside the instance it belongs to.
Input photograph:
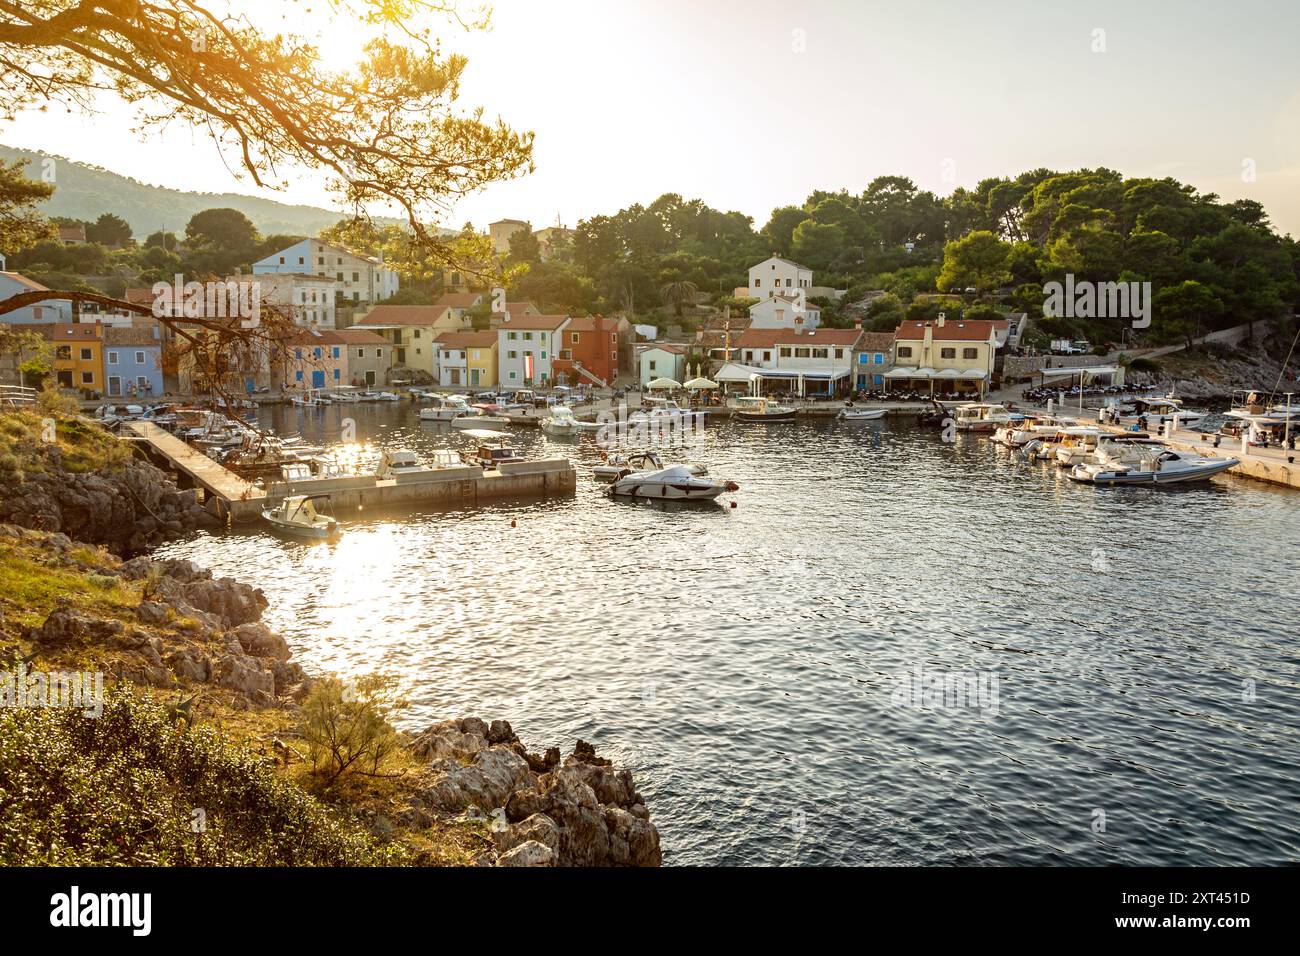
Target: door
(455, 376)
(65, 379)
(370, 377)
(473, 377)
(318, 379)
(114, 385)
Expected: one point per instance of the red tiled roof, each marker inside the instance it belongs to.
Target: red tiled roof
(360, 337)
(587, 323)
(675, 349)
(529, 323)
(458, 300)
(467, 340)
(518, 308)
(768, 338)
(877, 341)
(131, 336)
(70, 332)
(412, 315)
(977, 330)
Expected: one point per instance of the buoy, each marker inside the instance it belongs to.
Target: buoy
(733, 504)
(513, 523)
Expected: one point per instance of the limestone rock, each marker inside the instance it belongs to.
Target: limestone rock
(531, 853)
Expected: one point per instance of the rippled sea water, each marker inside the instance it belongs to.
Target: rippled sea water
(744, 662)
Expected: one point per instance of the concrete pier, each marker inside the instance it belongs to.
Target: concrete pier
(464, 485)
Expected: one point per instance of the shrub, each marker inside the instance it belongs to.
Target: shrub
(123, 789)
(346, 725)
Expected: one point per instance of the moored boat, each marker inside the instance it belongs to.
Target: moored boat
(752, 408)
(1165, 466)
(297, 515)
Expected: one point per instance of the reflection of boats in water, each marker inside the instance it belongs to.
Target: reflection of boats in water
(297, 515)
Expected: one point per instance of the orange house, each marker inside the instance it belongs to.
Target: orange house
(589, 353)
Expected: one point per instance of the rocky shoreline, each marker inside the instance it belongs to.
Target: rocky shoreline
(203, 636)
(128, 510)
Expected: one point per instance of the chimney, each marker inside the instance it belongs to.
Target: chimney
(939, 324)
(857, 324)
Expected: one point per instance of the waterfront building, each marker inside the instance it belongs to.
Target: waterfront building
(945, 356)
(467, 359)
(526, 348)
(873, 357)
(589, 354)
(661, 360)
(775, 275)
(308, 300)
(78, 359)
(309, 358)
(133, 362)
(412, 332)
(360, 278)
(799, 361)
(784, 312)
(370, 356)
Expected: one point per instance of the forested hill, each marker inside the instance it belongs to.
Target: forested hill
(84, 192)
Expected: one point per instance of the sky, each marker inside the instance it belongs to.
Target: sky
(752, 104)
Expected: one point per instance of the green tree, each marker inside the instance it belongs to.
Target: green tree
(109, 230)
(21, 224)
(977, 260)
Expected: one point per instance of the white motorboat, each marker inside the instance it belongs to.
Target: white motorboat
(752, 408)
(1165, 466)
(848, 414)
(1024, 429)
(297, 515)
(561, 421)
(387, 397)
(396, 462)
(448, 407)
(618, 465)
(1152, 413)
(492, 450)
(472, 419)
(1066, 446)
(982, 417)
(674, 483)
(423, 395)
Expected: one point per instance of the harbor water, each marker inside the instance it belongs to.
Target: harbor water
(767, 671)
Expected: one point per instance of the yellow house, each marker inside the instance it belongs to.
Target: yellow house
(467, 359)
(413, 330)
(945, 356)
(78, 359)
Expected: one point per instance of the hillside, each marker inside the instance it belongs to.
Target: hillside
(86, 191)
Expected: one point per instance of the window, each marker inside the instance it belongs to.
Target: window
(512, 375)
(86, 355)
(415, 334)
(316, 352)
(336, 375)
(749, 355)
(839, 353)
(477, 354)
(528, 336)
(340, 276)
(379, 353)
(758, 283)
(361, 353)
(573, 337)
(297, 354)
(87, 378)
(767, 356)
(356, 296)
(785, 351)
(356, 277)
(787, 283)
(112, 358)
(298, 375)
(513, 354)
(543, 353)
(905, 351)
(282, 260)
(947, 353)
(652, 365)
(801, 353)
(139, 358)
(969, 353)
(880, 358)
(320, 260)
(512, 336)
